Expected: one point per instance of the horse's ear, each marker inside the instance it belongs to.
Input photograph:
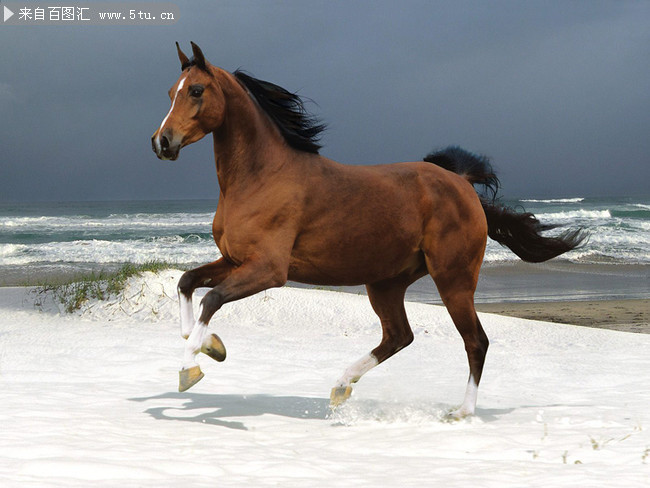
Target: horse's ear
(199, 59)
(181, 55)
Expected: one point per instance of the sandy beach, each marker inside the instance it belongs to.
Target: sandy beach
(603, 296)
(622, 315)
(91, 398)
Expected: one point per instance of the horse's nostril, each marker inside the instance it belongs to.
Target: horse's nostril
(164, 143)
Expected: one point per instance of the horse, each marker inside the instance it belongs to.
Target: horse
(285, 212)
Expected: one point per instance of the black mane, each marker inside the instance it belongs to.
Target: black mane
(300, 129)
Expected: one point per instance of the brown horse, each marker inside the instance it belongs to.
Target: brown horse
(287, 213)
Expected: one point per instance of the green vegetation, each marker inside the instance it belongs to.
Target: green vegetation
(102, 285)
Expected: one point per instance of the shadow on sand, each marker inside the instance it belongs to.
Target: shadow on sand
(215, 409)
(218, 409)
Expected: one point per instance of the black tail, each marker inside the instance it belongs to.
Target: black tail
(519, 231)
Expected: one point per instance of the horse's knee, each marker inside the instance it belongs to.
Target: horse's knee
(186, 284)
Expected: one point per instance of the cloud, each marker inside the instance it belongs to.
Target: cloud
(537, 86)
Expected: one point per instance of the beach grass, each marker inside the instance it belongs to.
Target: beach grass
(76, 291)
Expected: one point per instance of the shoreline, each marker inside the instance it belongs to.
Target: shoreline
(604, 296)
(623, 315)
(627, 315)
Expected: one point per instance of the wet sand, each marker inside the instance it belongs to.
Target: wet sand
(623, 315)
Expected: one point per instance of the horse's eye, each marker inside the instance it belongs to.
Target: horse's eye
(196, 91)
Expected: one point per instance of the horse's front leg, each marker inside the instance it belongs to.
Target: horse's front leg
(237, 282)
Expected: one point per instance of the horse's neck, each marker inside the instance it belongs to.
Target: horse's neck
(247, 145)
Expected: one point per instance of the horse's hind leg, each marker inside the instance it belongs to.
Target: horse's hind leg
(476, 344)
(457, 292)
(387, 300)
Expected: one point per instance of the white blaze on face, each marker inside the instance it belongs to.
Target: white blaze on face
(162, 125)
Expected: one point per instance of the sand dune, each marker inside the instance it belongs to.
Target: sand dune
(91, 398)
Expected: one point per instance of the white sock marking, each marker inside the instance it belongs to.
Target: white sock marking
(469, 403)
(186, 313)
(357, 370)
(194, 343)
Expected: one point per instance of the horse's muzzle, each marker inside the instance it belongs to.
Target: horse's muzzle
(164, 145)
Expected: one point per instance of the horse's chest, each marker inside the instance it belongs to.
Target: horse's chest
(217, 226)
(218, 234)
(228, 239)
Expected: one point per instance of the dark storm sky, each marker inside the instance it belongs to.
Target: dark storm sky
(557, 93)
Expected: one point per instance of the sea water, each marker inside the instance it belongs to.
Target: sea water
(619, 228)
(42, 239)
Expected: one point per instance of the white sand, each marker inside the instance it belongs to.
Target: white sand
(90, 399)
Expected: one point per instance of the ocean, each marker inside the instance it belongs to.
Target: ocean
(44, 240)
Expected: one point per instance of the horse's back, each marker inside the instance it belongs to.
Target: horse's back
(446, 208)
(369, 223)
(429, 193)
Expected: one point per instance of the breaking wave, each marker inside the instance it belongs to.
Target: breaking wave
(111, 233)
(554, 200)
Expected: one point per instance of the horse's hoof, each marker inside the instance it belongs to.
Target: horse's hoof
(457, 414)
(214, 348)
(339, 395)
(187, 378)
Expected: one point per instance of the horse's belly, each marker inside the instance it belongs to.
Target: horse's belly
(343, 263)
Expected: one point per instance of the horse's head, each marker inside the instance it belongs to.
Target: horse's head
(198, 106)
